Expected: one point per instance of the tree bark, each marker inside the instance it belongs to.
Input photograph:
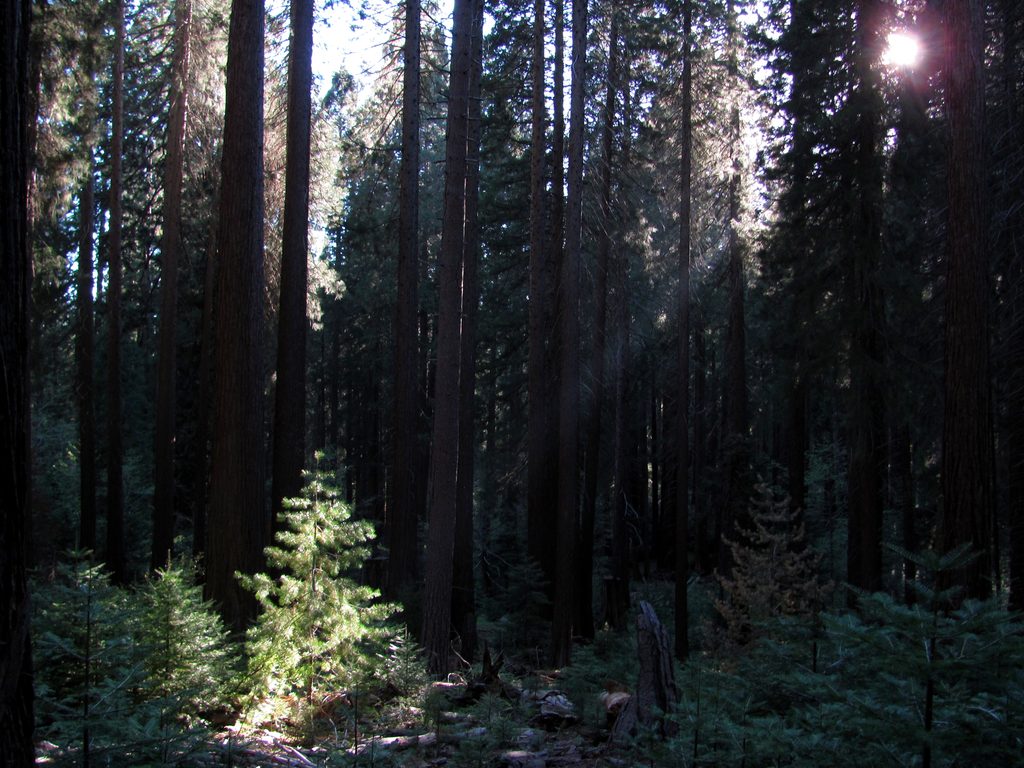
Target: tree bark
(867, 403)
(569, 368)
(115, 449)
(170, 248)
(682, 522)
(967, 474)
(84, 363)
(290, 394)
(736, 456)
(437, 598)
(16, 697)
(463, 588)
(542, 459)
(238, 524)
(403, 522)
(585, 564)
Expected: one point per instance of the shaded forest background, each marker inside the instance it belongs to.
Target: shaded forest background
(571, 304)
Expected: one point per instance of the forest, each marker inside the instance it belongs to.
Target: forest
(593, 383)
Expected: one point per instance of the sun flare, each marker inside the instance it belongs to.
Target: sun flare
(902, 50)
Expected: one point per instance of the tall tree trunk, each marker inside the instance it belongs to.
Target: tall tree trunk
(238, 524)
(967, 474)
(867, 455)
(437, 599)
(542, 457)
(585, 562)
(866, 415)
(204, 393)
(569, 368)
(170, 248)
(115, 449)
(463, 588)
(404, 522)
(290, 395)
(16, 698)
(736, 446)
(682, 522)
(84, 363)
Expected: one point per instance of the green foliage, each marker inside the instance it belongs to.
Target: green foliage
(891, 685)
(87, 663)
(190, 667)
(127, 675)
(520, 607)
(318, 628)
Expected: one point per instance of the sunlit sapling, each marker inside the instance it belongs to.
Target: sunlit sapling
(191, 668)
(318, 627)
(774, 572)
(87, 663)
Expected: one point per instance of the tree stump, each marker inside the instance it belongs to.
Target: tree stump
(656, 693)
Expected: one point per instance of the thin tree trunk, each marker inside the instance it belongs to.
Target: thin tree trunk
(967, 473)
(542, 461)
(585, 563)
(736, 446)
(569, 370)
(238, 523)
(437, 598)
(16, 696)
(463, 588)
(290, 395)
(170, 248)
(403, 522)
(84, 364)
(115, 449)
(682, 522)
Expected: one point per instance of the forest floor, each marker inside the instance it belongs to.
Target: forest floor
(461, 723)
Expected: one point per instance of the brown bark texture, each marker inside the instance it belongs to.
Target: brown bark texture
(569, 363)
(115, 557)
(542, 458)
(16, 696)
(463, 587)
(403, 517)
(84, 360)
(682, 511)
(437, 596)
(867, 403)
(967, 474)
(585, 555)
(290, 395)
(170, 251)
(238, 524)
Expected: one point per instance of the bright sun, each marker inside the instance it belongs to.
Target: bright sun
(902, 50)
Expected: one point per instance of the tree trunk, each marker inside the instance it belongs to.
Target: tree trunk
(170, 248)
(867, 456)
(403, 522)
(437, 599)
(238, 523)
(84, 360)
(569, 368)
(967, 474)
(736, 447)
(542, 459)
(290, 395)
(115, 449)
(585, 564)
(16, 702)
(682, 522)
(463, 588)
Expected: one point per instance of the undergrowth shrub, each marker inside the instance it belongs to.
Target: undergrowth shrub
(319, 630)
